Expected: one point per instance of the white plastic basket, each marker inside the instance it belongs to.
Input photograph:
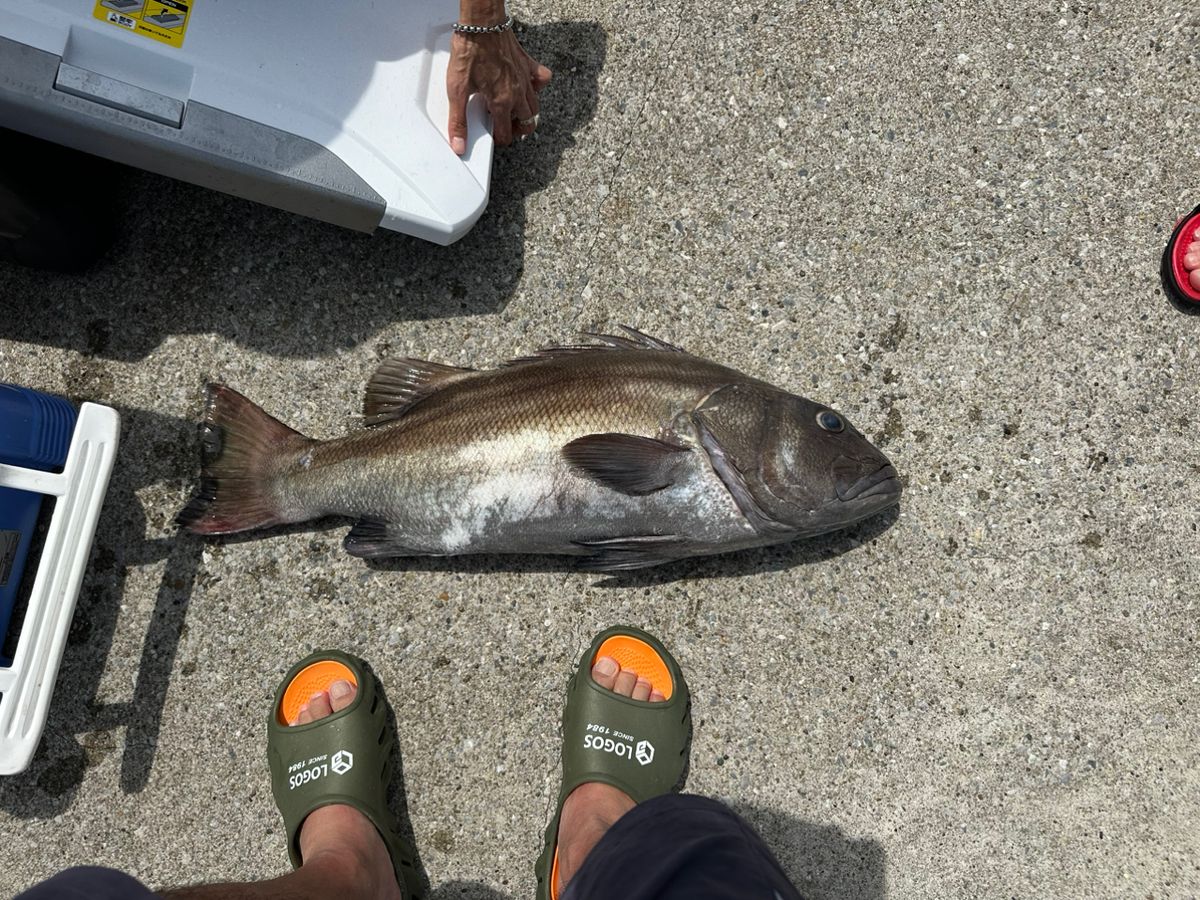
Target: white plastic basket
(27, 685)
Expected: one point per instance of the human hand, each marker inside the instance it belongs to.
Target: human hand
(496, 66)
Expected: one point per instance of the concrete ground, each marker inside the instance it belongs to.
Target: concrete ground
(943, 218)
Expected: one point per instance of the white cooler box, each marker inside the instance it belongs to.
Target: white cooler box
(332, 110)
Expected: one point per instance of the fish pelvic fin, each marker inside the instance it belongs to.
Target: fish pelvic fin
(639, 551)
(242, 452)
(399, 384)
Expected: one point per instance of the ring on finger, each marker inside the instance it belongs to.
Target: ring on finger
(532, 121)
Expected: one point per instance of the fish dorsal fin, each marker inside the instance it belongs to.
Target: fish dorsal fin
(398, 384)
(627, 463)
(632, 339)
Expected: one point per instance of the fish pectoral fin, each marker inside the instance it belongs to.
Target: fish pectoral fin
(634, 552)
(399, 384)
(625, 462)
(371, 539)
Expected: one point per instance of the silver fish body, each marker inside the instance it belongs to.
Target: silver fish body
(630, 453)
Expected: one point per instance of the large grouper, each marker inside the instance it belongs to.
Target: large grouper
(628, 452)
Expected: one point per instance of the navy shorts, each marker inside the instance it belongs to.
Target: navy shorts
(89, 883)
(675, 847)
(680, 847)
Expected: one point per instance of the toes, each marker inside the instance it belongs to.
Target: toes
(304, 716)
(319, 705)
(604, 672)
(607, 673)
(1194, 279)
(625, 683)
(341, 694)
(1191, 259)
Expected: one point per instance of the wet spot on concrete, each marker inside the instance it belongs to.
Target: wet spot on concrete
(63, 774)
(894, 335)
(893, 427)
(97, 746)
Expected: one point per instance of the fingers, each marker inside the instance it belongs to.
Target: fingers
(456, 89)
(524, 114)
(502, 123)
(541, 76)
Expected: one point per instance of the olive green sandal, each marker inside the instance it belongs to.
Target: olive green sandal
(342, 758)
(634, 745)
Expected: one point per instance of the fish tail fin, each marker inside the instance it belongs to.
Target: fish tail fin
(243, 452)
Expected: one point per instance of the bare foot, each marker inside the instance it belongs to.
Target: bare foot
(340, 837)
(592, 808)
(343, 855)
(1191, 262)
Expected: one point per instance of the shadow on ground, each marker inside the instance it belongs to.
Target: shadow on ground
(195, 261)
(775, 558)
(82, 729)
(726, 565)
(465, 890)
(821, 861)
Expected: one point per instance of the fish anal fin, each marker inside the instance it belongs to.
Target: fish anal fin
(399, 384)
(627, 463)
(634, 552)
(373, 539)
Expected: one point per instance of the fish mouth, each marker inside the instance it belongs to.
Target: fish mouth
(883, 482)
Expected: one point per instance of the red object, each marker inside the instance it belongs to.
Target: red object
(1174, 275)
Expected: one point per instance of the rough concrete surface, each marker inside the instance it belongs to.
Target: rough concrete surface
(943, 218)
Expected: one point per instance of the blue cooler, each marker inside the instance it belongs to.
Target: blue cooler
(35, 433)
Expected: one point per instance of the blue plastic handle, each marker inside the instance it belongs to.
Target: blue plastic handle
(35, 433)
(35, 428)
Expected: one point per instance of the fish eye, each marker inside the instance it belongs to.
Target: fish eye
(830, 421)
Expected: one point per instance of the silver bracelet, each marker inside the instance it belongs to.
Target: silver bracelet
(506, 25)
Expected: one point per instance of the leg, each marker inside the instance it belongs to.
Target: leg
(343, 854)
(651, 844)
(592, 808)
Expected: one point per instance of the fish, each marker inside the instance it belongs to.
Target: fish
(624, 450)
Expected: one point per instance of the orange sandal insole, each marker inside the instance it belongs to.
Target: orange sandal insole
(311, 680)
(638, 656)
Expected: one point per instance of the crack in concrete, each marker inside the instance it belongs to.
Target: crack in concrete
(633, 132)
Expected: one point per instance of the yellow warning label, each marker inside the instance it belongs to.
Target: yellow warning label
(162, 20)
